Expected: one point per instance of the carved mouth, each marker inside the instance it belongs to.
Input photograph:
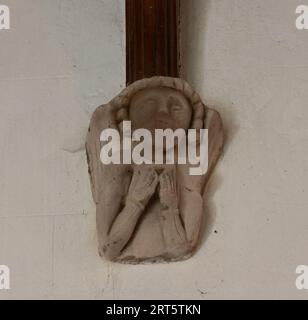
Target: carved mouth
(163, 122)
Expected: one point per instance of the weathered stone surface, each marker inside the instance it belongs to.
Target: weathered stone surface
(150, 213)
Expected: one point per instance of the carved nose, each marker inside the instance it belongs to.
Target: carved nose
(163, 109)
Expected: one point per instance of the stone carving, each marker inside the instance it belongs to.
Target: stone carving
(150, 213)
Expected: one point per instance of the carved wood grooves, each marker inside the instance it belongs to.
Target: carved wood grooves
(151, 39)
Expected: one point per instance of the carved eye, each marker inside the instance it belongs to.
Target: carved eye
(176, 108)
(150, 102)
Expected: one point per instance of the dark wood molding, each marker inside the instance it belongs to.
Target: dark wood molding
(151, 39)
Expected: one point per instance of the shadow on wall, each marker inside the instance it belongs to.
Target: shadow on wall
(193, 65)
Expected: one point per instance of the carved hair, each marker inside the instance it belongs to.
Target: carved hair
(121, 103)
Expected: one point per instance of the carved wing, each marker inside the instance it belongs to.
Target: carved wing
(193, 187)
(214, 124)
(108, 182)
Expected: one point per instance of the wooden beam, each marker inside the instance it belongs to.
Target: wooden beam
(151, 39)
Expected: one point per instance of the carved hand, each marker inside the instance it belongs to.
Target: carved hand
(168, 190)
(143, 185)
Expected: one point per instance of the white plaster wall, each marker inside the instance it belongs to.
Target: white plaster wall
(63, 58)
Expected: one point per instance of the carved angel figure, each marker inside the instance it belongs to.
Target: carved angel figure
(150, 213)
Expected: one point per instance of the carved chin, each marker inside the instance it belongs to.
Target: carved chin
(163, 124)
(159, 124)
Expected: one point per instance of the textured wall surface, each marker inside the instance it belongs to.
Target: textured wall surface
(63, 58)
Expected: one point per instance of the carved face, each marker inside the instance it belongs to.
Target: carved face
(160, 108)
